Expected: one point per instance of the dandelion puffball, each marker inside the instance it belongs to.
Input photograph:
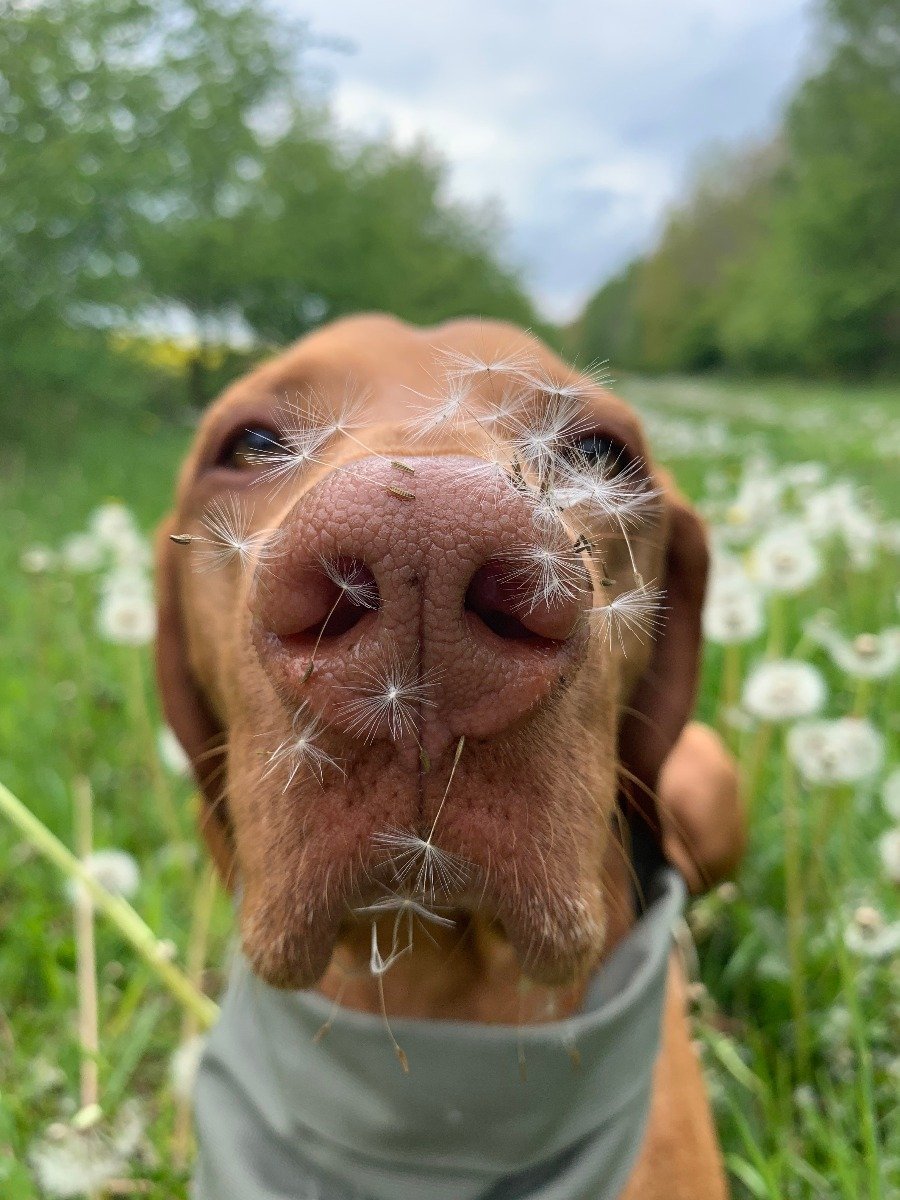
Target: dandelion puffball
(171, 753)
(870, 936)
(783, 690)
(128, 620)
(785, 560)
(889, 852)
(833, 752)
(733, 613)
(37, 560)
(114, 870)
(111, 522)
(81, 553)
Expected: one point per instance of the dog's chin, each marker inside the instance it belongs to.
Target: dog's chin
(557, 936)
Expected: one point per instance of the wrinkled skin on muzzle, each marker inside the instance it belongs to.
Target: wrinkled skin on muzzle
(427, 606)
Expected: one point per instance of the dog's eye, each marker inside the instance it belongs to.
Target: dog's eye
(250, 447)
(600, 450)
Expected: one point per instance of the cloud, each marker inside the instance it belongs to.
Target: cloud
(583, 119)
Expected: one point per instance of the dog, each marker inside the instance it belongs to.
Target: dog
(429, 631)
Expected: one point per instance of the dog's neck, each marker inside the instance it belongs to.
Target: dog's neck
(468, 972)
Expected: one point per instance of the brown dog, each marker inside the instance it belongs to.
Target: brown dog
(412, 627)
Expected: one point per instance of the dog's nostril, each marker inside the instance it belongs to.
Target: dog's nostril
(493, 597)
(336, 596)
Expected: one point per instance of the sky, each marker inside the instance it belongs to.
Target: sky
(582, 118)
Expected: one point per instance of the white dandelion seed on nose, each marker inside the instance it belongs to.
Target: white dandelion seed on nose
(301, 750)
(636, 613)
(478, 366)
(300, 444)
(391, 693)
(578, 386)
(353, 582)
(229, 522)
(538, 438)
(450, 409)
(548, 573)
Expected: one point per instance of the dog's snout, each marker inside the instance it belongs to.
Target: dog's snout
(445, 578)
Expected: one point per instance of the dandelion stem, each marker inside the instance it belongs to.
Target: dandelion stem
(161, 788)
(456, 758)
(85, 950)
(132, 927)
(195, 963)
(796, 914)
(731, 686)
(862, 698)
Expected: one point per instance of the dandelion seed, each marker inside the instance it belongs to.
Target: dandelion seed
(476, 366)
(437, 871)
(300, 750)
(577, 387)
(537, 440)
(300, 444)
(551, 574)
(783, 690)
(636, 613)
(609, 492)
(355, 584)
(447, 411)
(229, 522)
(392, 694)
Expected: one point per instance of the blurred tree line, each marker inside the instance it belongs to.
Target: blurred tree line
(786, 257)
(164, 165)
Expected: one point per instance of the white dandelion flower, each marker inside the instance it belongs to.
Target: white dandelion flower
(869, 935)
(183, 1066)
(301, 750)
(889, 853)
(733, 614)
(783, 690)
(548, 573)
(68, 1162)
(111, 522)
(636, 613)
(232, 538)
(37, 560)
(785, 561)
(890, 794)
(355, 584)
(171, 753)
(868, 655)
(390, 694)
(115, 870)
(845, 750)
(81, 553)
(128, 620)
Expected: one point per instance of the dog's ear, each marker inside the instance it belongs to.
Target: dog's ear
(186, 708)
(663, 699)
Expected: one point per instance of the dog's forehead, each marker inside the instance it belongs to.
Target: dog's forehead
(395, 369)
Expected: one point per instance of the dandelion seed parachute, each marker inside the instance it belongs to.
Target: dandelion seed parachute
(419, 863)
(391, 693)
(300, 750)
(551, 574)
(637, 612)
(228, 521)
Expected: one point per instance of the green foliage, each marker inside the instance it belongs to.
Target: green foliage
(785, 258)
(163, 166)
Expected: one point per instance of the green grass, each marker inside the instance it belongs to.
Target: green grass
(71, 705)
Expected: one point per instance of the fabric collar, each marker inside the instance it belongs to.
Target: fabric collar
(281, 1116)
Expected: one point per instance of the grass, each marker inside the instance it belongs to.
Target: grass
(815, 1122)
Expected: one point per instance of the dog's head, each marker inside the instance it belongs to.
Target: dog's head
(427, 605)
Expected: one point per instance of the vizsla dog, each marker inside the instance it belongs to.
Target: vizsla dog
(429, 632)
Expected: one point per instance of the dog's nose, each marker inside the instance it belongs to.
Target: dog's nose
(430, 601)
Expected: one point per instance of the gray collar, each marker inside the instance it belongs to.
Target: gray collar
(282, 1117)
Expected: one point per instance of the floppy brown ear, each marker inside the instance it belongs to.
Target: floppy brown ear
(663, 700)
(186, 708)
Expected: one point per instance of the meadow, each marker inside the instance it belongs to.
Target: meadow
(794, 966)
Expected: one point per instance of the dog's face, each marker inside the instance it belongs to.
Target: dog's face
(411, 648)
